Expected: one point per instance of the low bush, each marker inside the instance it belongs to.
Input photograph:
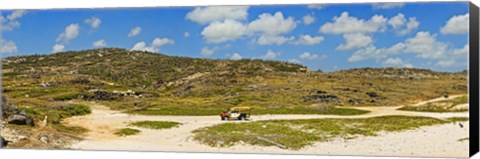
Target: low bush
(126, 132)
(156, 124)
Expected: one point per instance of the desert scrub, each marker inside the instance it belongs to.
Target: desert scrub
(458, 119)
(155, 124)
(77, 109)
(179, 111)
(56, 112)
(69, 129)
(203, 110)
(126, 132)
(296, 134)
(440, 106)
(301, 110)
(259, 111)
(66, 96)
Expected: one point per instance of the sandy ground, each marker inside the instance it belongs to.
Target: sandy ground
(440, 140)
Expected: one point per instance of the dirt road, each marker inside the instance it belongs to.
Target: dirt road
(439, 140)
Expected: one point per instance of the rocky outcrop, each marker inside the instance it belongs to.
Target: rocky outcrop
(391, 72)
(372, 94)
(21, 119)
(354, 101)
(44, 139)
(374, 97)
(3, 141)
(8, 108)
(322, 97)
(96, 94)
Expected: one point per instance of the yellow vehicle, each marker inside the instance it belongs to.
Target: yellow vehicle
(240, 113)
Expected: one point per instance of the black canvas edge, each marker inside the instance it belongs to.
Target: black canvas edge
(474, 79)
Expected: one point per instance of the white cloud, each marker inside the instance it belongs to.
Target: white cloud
(401, 25)
(458, 24)
(7, 46)
(308, 19)
(159, 42)
(235, 56)
(58, 48)
(426, 46)
(209, 51)
(272, 24)
(396, 62)
(376, 53)
(10, 22)
(270, 55)
(461, 52)
(10, 25)
(397, 21)
(316, 6)
(295, 61)
(228, 30)
(388, 5)
(273, 39)
(205, 15)
(135, 31)
(411, 25)
(345, 24)
(70, 33)
(155, 46)
(309, 40)
(353, 41)
(142, 46)
(99, 43)
(16, 14)
(94, 22)
(310, 56)
(186, 34)
(446, 63)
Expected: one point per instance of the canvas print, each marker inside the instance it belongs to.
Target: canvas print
(375, 79)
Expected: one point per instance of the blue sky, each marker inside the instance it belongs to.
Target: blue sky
(327, 37)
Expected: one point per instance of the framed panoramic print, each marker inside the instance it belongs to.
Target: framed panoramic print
(369, 79)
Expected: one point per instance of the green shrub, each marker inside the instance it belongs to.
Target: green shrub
(77, 109)
(69, 129)
(67, 96)
(126, 132)
(156, 124)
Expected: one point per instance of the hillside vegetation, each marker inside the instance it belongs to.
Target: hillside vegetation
(156, 84)
(296, 134)
(50, 88)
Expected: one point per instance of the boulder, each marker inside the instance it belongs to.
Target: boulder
(354, 101)
(96, 94)
(321, 96)
(3, 141)
(372, 94)
(7, 107)
(44, 139)
(21, 119)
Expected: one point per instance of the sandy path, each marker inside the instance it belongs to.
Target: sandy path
(103, 122)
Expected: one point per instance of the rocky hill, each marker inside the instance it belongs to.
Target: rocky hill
(136, 68)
